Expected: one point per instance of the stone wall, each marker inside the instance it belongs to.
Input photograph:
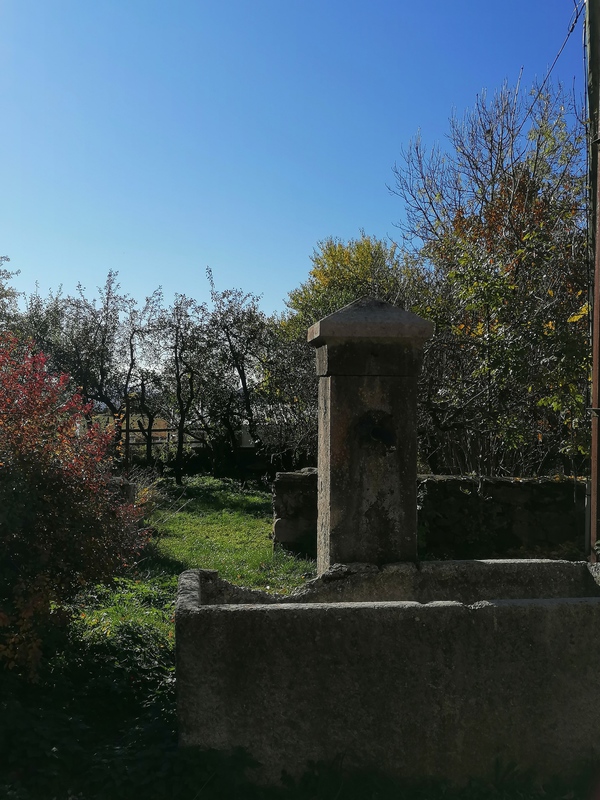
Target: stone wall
(458, 517)
(295, 511)
(472, 518)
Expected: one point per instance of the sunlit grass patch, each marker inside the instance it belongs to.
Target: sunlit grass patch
(225, 528)
(136, 601)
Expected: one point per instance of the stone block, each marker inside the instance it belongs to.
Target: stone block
(368, 358)
(295, 511)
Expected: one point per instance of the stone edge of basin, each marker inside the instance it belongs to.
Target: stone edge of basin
(465, 582)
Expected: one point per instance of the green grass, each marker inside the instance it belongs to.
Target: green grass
(216, 525)
(100, 723)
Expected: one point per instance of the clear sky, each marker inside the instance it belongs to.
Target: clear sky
(159, 137)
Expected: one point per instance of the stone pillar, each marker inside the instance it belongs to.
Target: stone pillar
(368, 359)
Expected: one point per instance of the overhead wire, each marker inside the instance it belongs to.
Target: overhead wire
(572, 24)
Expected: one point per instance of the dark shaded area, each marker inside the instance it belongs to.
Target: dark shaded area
(501, 518)
(295, 512)
(376, 429)
(83, 733)
(461, 517)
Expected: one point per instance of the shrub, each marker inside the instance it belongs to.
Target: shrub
(62, 523)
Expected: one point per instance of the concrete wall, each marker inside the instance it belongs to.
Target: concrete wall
(439, 690)
(459, 517)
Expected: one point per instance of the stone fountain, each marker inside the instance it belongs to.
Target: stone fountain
(431, 670)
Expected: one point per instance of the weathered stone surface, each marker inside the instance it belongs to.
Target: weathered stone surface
(368, 359)
(368, 318)
(427, 582)
(295, 511)
(439, 690)
(466, 517)
(491, 516)
(367, 508)
(463, 581)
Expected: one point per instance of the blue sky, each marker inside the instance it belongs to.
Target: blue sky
(159, 137)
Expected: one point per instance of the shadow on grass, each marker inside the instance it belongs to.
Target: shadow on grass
(154, 563)
(205, 494)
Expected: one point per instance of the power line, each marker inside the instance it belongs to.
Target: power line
(572, 24)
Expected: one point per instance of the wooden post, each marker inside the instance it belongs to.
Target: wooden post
(593, 79)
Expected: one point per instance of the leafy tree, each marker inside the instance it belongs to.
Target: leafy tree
(242, 337)
(139, 327)
(43, 321)
(495, 252)
(500, 222)
(288, 391)
(150, 404)
(94, 346)
(8, 295)
(62, 524)
(109, 346)
(341, 272)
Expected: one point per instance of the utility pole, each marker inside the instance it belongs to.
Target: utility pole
(593, 81)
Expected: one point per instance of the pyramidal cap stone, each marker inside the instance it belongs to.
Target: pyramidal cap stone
(368, 318)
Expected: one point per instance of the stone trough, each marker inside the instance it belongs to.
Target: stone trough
(431, 670)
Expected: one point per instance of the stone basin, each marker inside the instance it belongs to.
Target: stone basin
(425, 582)
(438, 670)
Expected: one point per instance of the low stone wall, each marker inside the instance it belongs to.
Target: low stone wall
(458, 517)
(472, 518)
(295, 511)
(443, 690)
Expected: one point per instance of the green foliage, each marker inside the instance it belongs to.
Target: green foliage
(497, 258)
(342, 272)
(500, 219)
(8, 295)
(288, 395)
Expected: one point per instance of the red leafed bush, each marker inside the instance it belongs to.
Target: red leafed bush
(62, 524)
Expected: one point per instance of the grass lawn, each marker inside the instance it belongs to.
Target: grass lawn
(215, 525)
(100, 722)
